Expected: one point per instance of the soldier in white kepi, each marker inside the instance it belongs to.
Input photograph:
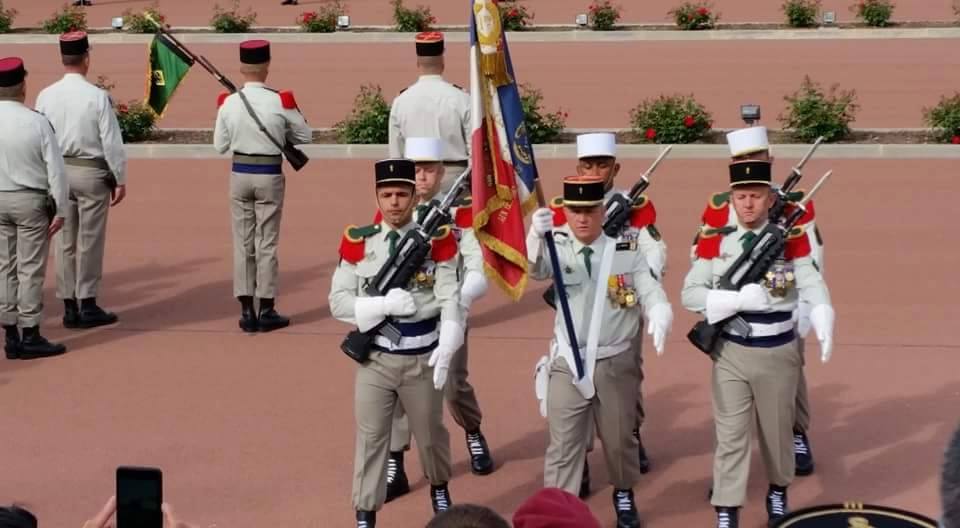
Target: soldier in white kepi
(96, 168)
(609, 288)
(33, 203)
(433, 107)
(257, 183)
(460, 395)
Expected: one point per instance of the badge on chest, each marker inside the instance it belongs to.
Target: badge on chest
(628, 241)
(780, 279)
(425, 276)
(620, 291)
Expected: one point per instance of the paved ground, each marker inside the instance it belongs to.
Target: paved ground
(258, 430)
(894, 80)
(375, 12)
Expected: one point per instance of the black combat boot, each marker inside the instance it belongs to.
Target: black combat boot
(269, 318)
(71, 313)
(92, 316)
(585, 480)
(644, 460)
(33, 345)
(440, 498)
(727, 517)
(481, 463)
(776, 504)
(626, 508)
(366, 519)
(802, 453)
(397, 483)
(248, 316)
(11, 341)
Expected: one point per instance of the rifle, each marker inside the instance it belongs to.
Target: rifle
(294, 156)
(750, 267)
(795, 173)
(617, 213)
(400, 268)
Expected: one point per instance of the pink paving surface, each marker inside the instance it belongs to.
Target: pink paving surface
(256, 431)
(894, 79)
(451, 12)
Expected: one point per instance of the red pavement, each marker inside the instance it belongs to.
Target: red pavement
(380, 12)
(894, 79)
(256, 431)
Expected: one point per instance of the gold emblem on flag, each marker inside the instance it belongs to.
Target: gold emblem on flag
(158, 78)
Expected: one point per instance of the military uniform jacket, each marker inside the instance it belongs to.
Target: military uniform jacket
(237, 131)
(620, 324)
(30, 155)
(718, 249)
(82, 115)
(432, 107)
(436, 290)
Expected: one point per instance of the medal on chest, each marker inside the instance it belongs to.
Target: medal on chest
(780, 278)
(621, 292)
(425, 276)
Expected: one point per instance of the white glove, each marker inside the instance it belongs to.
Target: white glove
(753, 298)
(541, 382)
(369, 311)
(474, 286)
(722, 304)
(541, 222)
(656, 260)
(821, 318)
(451, 339)
(659, 321)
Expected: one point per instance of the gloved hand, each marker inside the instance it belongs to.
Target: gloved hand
(659, 322)
(451, 339)
(821, 318)
(722, 304)
(541, 222)
(753, 298)
(474, 286)
(369, 311)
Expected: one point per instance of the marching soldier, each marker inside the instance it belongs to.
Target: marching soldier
(607, 280)
(33, 203)
(597, 157)
(755, 373)
(461, 398)
(257, 183)
(413, 370)
(752, 144)
(96, 170)
(433, 107)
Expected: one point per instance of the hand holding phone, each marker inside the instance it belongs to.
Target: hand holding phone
(139, 497)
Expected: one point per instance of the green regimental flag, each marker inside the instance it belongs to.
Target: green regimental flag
(168, 67)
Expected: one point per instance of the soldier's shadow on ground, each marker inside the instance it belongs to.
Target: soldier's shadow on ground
(531, 302)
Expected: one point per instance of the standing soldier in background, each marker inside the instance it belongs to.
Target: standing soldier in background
(96, 169)
(31, 175)
(257, 183)
(433, 107)
(461, 398)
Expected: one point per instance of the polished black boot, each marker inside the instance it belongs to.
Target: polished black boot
(626, 508)
(802, 453)
(33, 345)
(585, 480)
(269, 318)
(727, 517)
(644, 460)
(776, 504)
(92, 316)
(440, 498)
(248, 316)
(71, 313)
(366, 519)
(481, 463)
(11, 341)
(397, 483)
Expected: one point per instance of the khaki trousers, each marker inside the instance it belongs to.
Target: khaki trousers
(613, 409)
(80, 244)
(256, 207)
(23, 256)
(383, 382)
(638, 350)
(802, 422)
(753, 382)
(460, 396)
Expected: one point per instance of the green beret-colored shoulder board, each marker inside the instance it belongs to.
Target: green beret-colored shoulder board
(356, 234)
(464, 201)
(796, 196)
(642, 202)
(556, 202)
(707, 232)
(442, 232)
(718, 200)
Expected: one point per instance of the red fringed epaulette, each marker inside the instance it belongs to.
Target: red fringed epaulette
(807, 217)
(444, 245)
(287, 100)
(222, 98)
(354, 242)
(798, 244)
(717, 212)
(709, 239)
(464, 217)
(559, 217)
(643, 214)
